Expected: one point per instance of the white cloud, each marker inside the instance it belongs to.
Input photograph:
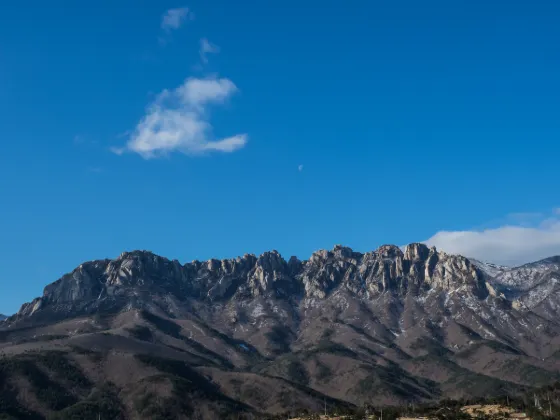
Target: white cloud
(117, 150)
(511, 244)
(173, 19)
(230, 144)
(206, 47)
(300, 168)
(178, 120)
(199, 92)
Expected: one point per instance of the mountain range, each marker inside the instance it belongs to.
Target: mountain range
(144, 337)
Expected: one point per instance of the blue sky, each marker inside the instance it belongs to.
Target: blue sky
(215, 128)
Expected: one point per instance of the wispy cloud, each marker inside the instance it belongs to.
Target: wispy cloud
(206, 47)
(300, 168)
(197, 93)
(80, 140)
(117, 150)
(178, 120)
(528, 237)
(173, 19)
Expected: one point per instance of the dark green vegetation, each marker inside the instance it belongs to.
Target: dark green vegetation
(392, 379)
(55, 381)
(59, 385)
(188, 388)
(140, 332)
(547, 399)
(280, 337)
(157, 367)
(66, 393)
(208, 357)
(102, 402)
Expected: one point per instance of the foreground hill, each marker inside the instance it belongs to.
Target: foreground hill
(145, 337)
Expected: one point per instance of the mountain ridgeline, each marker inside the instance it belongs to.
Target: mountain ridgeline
(141, 274)
(265, 335)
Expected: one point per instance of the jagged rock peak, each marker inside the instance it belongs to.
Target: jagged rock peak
(387, 269)
(137, 255)
(342, 250)
(272, 260)
(389, 251)
(294, 265)
(417, 251)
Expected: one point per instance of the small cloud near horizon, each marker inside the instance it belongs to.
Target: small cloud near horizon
(526, 237)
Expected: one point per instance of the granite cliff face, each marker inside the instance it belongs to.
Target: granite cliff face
(135, 276)
(389, 326)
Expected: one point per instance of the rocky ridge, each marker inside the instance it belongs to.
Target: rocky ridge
(533, 286)
(140, 274)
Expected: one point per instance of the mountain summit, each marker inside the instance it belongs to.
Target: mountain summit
(136, 278)
(388, 326)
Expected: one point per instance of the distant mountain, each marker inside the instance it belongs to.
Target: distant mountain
(534, 286)
(3, 317)
(269, 335)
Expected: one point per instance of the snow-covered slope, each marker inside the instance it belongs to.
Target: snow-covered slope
(492, 270)
(523, 277)
(534, 286)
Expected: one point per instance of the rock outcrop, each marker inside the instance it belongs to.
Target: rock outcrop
(386, 270)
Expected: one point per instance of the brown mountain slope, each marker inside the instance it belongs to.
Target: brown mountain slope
(146, 337)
